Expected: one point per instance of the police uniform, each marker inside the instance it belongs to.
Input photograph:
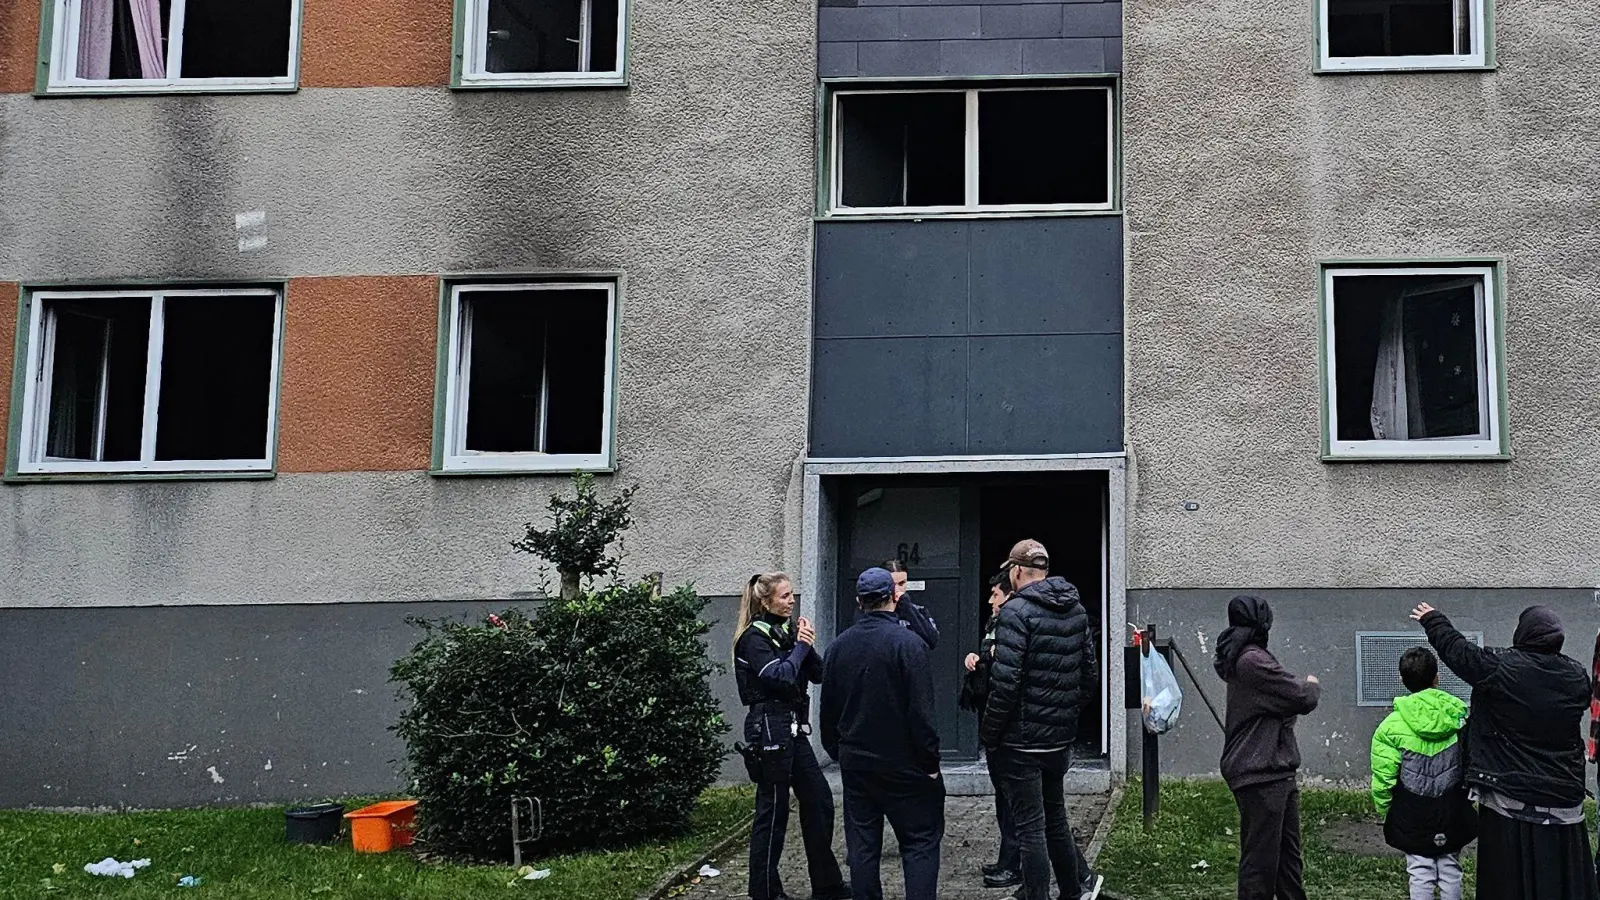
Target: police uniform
(773, 673)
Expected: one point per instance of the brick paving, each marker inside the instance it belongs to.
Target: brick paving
(969, 843)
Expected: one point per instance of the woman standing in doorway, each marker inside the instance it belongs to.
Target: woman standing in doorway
(773, 662)
(1260, 757)
(1524, 757)
(911, 615)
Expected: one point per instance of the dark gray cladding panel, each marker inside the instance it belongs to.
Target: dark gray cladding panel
(952, 337)
(902, 278)
(193, 706)
(890, 397)
(1045, 394)
(959, 38)
(1049, 275)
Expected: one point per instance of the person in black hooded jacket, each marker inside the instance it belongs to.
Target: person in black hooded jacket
(1043, 672)
(1525, 757)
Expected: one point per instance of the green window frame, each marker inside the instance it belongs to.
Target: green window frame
(1486, 277)
(470, 58)
(1474, 43)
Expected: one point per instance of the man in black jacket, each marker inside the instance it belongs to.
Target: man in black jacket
(877, 721)
(1043, 670)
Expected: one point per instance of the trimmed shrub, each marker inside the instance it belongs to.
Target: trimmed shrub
(600, 707)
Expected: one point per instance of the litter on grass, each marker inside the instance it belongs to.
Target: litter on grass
(110, 868)
(189, 881)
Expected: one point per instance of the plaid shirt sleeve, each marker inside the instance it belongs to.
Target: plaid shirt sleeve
(1594, 700)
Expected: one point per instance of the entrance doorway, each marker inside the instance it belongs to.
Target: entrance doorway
(952, 532)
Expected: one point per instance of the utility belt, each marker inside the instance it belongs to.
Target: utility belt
(770, 730)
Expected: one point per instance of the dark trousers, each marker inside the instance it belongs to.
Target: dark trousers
(1034, 786)
(772, 823)
(1269, 842)
(1010, 852)
(914, 805)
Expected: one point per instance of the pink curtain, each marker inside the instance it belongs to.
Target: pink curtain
(94, 39)
(147, 31)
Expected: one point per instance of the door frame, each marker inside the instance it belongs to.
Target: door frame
(819, 569)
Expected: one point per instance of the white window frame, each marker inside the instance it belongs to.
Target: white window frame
(475, 52)
(64, 59)
(455, 457)
(1489, 366)
(970, 205)
(1476, 56)
(37, 387)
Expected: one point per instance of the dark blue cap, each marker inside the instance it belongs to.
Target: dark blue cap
(875, 584)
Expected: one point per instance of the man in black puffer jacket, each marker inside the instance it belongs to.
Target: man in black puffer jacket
(1043, 671)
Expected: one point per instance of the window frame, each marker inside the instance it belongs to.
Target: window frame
(58, 52)
(449, 454)
(1492, 393)
(471, 51)
(1481, 56)
(31, 393)
(833, 207)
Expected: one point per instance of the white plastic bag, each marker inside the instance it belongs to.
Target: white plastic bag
(1163, 699)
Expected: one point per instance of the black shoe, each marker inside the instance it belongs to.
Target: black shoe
(1002, 879)
(993, 869)
(842, 892)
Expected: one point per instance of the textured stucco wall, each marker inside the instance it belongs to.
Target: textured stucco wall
(1314, 633)
(19, 44)
(696, 183)
(357, 43)
(1243, 169)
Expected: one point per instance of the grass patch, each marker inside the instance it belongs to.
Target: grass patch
(240, 853)
(1199, 821)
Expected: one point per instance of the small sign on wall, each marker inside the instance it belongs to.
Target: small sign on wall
(916, 585)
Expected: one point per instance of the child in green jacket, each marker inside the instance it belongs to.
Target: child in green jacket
(1417, 768)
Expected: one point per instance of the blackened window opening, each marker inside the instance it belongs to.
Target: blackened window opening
(536, 372)
(900, 150)
(1044, 147)
(97, 381)
(236, 38)
(1358, 28)
(550, 36)
(216, 378)
(1426, 331)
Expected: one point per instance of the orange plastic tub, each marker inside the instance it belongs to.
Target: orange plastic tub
(382, 827)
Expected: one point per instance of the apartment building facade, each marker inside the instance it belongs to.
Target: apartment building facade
(316, 305)
(1360, 298)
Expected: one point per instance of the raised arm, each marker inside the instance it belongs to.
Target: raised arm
(1280, 693)
(1471, 663)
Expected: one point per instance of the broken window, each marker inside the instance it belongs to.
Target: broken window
(166, 381)
(1388, 34)
(530, 376)
(544, 40)
(175, 43)
(1413, 362)
(973, 150)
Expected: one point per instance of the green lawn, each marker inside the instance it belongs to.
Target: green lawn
(1199, 821)
(240, 853)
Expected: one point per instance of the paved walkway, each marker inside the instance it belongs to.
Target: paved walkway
(969, 843)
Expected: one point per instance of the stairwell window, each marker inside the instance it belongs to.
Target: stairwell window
(1385, 35)
(529, 43)
(163, 381)
(528, 380)
(1413, 362)
(173, 45)
(994, 150)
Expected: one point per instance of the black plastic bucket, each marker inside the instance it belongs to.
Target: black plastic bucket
(317, 824)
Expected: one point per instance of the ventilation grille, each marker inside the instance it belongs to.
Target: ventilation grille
(1378, 666)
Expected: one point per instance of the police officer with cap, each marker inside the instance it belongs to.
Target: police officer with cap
(773, 662)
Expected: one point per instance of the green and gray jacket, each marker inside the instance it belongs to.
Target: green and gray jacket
(1417, 773)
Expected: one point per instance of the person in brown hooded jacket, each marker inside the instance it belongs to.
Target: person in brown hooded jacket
(1259, 754)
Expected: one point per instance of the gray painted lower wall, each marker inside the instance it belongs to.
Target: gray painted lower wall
(1314, 634)
(190, 706)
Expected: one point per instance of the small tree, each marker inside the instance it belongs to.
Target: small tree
(581, 530)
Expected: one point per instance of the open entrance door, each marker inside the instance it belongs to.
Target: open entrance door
(952, 532)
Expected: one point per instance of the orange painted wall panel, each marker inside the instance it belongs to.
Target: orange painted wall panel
(362, 43)
(19, 45)
(8, 346)
(358, 361)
